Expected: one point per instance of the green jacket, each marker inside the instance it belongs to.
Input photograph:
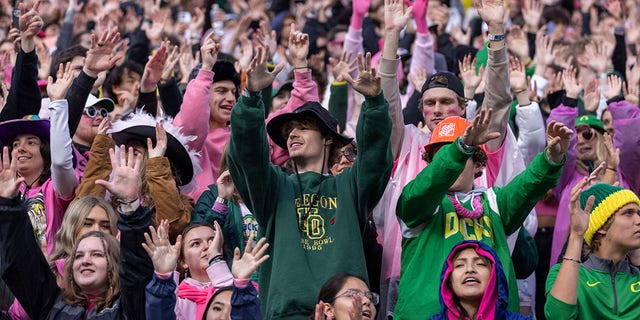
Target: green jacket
(604, 292)
(431, 227)
(313, 222)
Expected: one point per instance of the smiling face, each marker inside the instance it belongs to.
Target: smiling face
(194, 251)
(26, 149)
(470, 275)
(342, 306)
(223, 97)
(90, 266)
(438, 104)
(305, 142)
(87, 129)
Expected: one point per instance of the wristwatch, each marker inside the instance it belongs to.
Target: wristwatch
(249, 94)
(466, 148)
(495, 37)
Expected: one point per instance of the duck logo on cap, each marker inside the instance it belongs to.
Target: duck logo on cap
(447, 130)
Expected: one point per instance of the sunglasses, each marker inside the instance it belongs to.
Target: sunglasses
(92, 112)
(348, 153)
(372, 296)
(587, 134)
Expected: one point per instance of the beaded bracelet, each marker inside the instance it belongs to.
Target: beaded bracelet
(572, 259)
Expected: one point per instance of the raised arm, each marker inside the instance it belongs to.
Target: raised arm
(161, 291)
(395, 19)
(251, 169)
(497, 96)
(63, 175)
(100, 58)
(136, 268)
(194, 113)
(169, 203)
(565, 285)
(99, 164)
(24, 95)
(149, 82)
(23, 266)
(423, 53)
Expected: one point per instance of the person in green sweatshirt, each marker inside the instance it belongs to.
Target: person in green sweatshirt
(443, 206)
(312, 219)
(605, 284)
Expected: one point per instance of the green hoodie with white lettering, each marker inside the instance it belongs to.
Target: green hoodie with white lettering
(431, 227)
(312, 222)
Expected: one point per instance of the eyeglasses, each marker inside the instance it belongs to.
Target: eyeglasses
(587, 134)
(92, 112)
(350, 293)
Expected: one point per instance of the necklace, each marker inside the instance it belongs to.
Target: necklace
(476, 205)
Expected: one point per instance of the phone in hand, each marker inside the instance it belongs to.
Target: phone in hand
(16, 18)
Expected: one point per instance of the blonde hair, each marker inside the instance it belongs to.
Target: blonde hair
(72, 293)
(601, 153)
(67, 237)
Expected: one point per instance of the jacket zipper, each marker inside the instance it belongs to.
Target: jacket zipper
(615, 295)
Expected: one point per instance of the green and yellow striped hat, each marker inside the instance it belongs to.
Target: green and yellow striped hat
(608, 199)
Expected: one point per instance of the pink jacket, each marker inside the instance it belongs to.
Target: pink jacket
(194, 118)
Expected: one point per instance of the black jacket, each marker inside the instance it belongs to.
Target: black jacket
(27, 273)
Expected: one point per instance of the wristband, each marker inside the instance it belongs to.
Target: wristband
(215, 259)
(614, 170)
(249, 94)
(601, 76)
(126, 203)
(572, 260)
(222, 201)
(495, 37)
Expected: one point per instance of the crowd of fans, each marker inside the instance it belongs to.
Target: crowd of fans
(319, 159)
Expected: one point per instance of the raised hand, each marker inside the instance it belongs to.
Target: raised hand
(104, 125)
(9, 180)
(125, 180)
(197, 21)
(367, 83)
(478, 133)
(161, 142)
(419, 11)
(572, 84)
(298, 48)
(246, 51)
(158, 21)
(517, 76)
(153, 69)
(544, 51)
(258, 76)
(187, 62)
(613, 154)
(596, 55)
(163, 255)
(355, 312)
(30, 24)
(395, 15)
(345, 64)
(632, 74)
(580, 217)
(518, 43)
(253, 257)
(266, 37)
(170, 65)
(215, 247)
(471, 79)
(100, 56)
(58, 90)
(361, 7)
(591, 96)
(630, 91)
(225, 185)
(558, 138)
(614, 7)
(461, 37)
(418, 77)
(532, 12)
(614, 87)
(491, 12)
(209, 53)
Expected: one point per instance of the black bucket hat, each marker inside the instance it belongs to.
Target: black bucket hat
(328, 122)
